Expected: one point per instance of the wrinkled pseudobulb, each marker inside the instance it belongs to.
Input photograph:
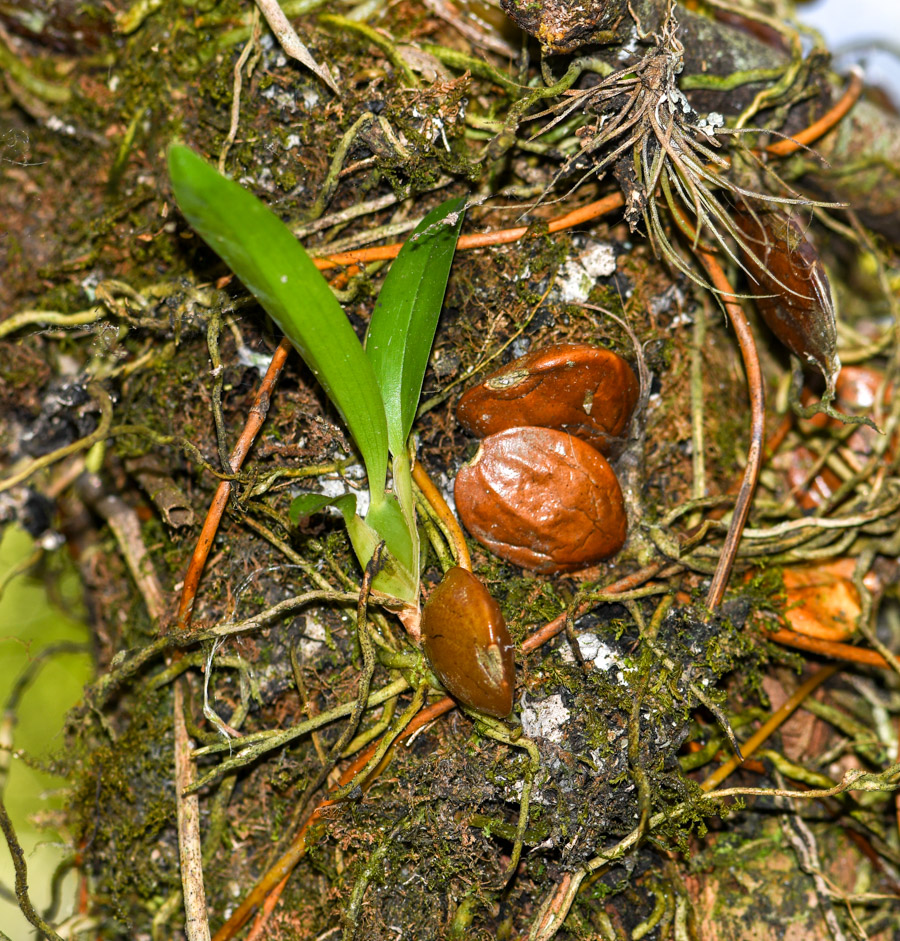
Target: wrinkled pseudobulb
(584, 390)
(542, 499)
(790, 287)
(562, 26)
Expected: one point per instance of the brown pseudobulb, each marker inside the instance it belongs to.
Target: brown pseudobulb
(467, 644)
(791, 288)
(585, 390)
(542, 499)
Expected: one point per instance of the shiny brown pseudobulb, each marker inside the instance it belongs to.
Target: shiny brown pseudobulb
(790, 287)
(467, 644)
(584, 390)
(542, 499)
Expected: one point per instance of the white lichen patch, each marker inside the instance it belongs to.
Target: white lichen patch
(576, 278)
(520, 346)
(338, 486)
(258, 361)
(312, 638)
(445, 485)
(596, 652)
(546, 719)
(709, 124)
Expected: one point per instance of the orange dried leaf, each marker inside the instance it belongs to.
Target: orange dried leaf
(822, 601)
(809, 494)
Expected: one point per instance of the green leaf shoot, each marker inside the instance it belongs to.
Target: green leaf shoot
(262, 252)
(376, 390)
(306, 504)
(401, 331)
(399, 574)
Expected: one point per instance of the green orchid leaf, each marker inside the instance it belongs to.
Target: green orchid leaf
(309, 503)
(395, 578)
(384, 522)
(397, 581)
(272, 264)
(401, 331)
(363, 538)
(388, 519)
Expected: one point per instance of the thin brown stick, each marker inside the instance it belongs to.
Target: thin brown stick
(627, 583)
(769, 726)
(756, 391)
(255, 419)
(190, 854)
(257, 932)
(478, 239)
(829, 648)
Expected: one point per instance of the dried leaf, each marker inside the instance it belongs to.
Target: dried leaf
(821, 600)
(791, 287)
(290, 41)
(809, 494)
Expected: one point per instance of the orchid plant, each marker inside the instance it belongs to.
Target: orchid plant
(375, 387)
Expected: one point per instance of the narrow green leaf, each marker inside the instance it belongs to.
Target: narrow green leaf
(397, 581)
(388, 519)
(308, 503)
(401, 331)
(262, 252)
(398, 576)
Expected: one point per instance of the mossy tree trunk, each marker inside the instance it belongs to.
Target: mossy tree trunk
(130, 359)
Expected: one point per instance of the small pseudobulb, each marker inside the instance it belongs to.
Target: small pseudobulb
(585, 390)
(468, 645)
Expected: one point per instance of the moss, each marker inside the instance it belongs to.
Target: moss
(426, 846)
(124, 812)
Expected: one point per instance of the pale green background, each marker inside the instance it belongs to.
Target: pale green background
(28, 622)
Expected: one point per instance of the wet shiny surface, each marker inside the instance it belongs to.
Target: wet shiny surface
(574, 387)
(542, 499)
(468, 645)
(791, 287)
